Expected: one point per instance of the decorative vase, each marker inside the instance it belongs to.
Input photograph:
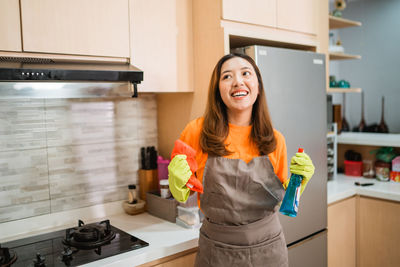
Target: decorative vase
(362, 124)
(382, 127)
(345, 124)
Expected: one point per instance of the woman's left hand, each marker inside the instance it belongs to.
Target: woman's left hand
(301, 164)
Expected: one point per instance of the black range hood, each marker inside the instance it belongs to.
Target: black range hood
(48, 70)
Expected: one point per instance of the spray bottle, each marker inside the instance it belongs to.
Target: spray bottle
(290, 203)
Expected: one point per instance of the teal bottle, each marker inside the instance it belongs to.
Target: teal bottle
(290, 203)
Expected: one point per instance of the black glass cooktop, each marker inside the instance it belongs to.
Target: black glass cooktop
(61, 248)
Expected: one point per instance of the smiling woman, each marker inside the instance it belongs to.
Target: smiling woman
(242, 164)
(238, 87)
(234, 75)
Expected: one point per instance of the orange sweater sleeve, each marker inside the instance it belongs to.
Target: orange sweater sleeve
(191, 134)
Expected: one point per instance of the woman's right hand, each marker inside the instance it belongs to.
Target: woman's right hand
(178, 175)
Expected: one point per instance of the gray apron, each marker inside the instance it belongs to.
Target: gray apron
(241, 225)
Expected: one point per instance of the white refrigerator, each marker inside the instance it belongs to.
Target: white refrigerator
(294, 83)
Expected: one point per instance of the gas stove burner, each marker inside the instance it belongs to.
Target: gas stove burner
(7, 257)
(89, 236)
(69, 247)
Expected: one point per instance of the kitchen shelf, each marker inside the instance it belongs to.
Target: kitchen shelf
(337, 23)
(344, 90)
(342, 56)
(370, 139)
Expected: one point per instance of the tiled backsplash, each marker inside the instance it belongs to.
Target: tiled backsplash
(62, 154)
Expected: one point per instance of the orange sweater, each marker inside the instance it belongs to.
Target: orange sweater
(238, 141)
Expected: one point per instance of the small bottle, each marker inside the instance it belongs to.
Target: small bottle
(164, 188)
(290, 203)
(132, 194)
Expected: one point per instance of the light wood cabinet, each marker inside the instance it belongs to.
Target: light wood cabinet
(185, 261)
(261, 12)
(162, 44)
(379, 234)
(90, 27)
(181, 259)
(10, 29)
(300, 16)
(342, 233)
(363, 232)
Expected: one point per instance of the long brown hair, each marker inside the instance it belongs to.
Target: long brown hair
(215, 126)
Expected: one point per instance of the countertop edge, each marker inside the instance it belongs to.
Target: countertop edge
(341, 196)
(343, 187)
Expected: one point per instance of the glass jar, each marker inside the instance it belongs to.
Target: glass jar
(368, 168)
(164, 188)
(382, 170)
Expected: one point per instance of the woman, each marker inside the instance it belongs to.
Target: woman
(242, 164)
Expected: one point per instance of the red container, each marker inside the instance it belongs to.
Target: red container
(353, 168)
(395, 176)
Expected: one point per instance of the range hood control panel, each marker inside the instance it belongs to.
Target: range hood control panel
(26, 75)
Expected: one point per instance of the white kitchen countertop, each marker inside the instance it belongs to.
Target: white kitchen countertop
(343, 187)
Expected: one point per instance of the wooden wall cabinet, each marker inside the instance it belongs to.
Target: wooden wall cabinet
(162, 44)
(10, 29)
(90, 27)
(261, 12)
(53, 28)
(342, 233)
(300, 16)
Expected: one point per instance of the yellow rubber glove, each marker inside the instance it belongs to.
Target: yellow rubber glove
(301, 164)
(178, 175)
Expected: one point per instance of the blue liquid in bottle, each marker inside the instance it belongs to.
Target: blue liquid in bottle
(290, 203)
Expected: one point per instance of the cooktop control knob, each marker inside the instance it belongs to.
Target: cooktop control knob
(39, 261)
(67, 255)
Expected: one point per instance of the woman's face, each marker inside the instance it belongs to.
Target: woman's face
(238, 85)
